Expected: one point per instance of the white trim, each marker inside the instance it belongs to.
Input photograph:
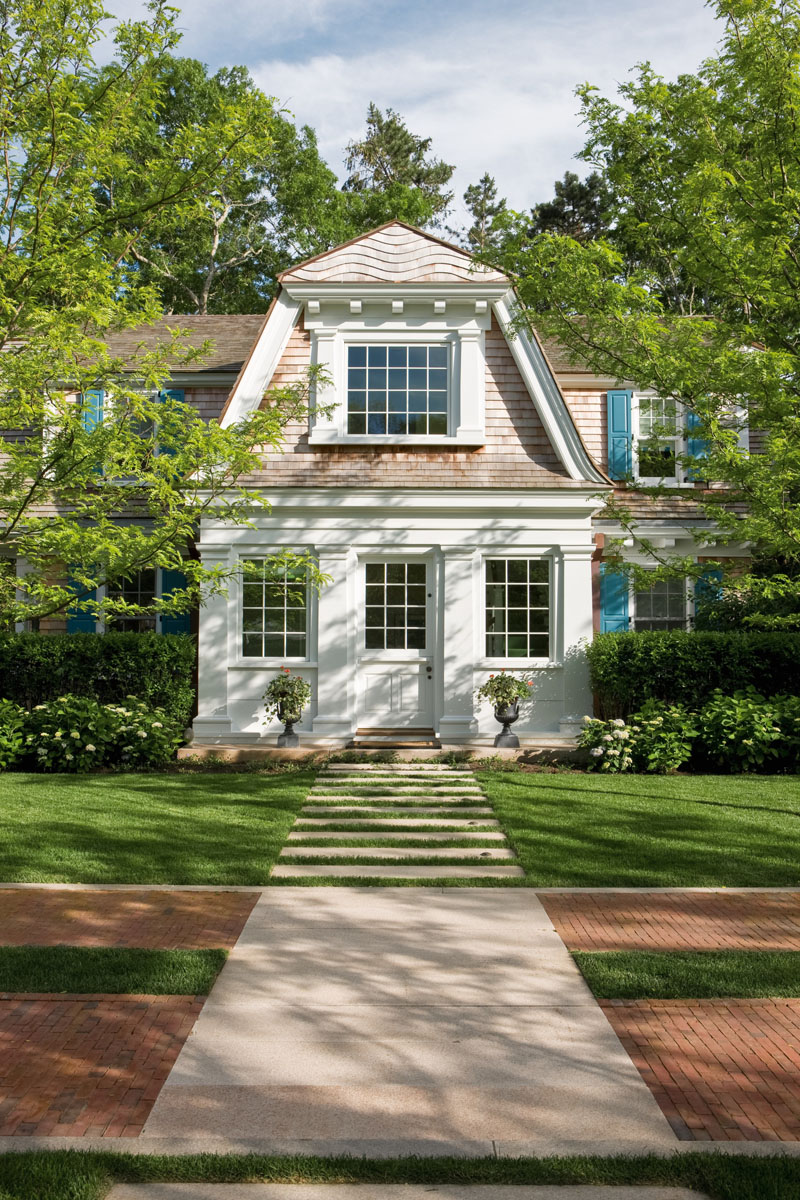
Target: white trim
(546, 395)
(484, 661)
(267, 352)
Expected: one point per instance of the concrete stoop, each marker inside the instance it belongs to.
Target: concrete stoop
(395, 822)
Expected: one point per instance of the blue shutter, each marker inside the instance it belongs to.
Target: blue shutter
(92, 409)
(707, 589)
(78, 620)
(697, 446)
(620, 435)
(174, 622)
(174, 394)
(613, 602)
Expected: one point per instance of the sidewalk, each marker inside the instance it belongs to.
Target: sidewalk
(403, 1015)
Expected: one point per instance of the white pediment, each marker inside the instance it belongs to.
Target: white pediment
(395, 253)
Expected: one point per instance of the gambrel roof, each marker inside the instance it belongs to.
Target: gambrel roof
(393, 253)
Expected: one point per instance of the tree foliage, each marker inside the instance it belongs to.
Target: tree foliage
(486, 209)
(702, 305)
(578, 210)
(98, 500)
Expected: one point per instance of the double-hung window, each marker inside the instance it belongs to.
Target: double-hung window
(140, 589)
(662, 605)
(660, 437)
(274, 610)
(517, 593)
(398, 390)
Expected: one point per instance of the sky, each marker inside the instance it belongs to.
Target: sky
(491, 83)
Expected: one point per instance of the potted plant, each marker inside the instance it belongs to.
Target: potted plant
(504, 691)
(285, 698)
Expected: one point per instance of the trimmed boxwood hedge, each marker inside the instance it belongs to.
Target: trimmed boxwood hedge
(158, 668)
(685, 668)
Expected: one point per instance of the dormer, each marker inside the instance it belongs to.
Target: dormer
(398, 319)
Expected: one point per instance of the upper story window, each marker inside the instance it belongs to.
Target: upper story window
(395, 389)
(660, 439)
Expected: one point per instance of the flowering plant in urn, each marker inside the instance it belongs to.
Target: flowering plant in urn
(504, 689)
(286, 696)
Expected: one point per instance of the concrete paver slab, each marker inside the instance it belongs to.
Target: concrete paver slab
(501, 1041)
(371, 1191)
(283, 871)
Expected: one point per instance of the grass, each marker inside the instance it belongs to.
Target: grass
(88, 1175)
(112, 971)
(691, 975)
(650, 831)
(160, 828)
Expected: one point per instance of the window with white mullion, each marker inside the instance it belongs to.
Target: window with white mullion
(660, 437)
(398, 390)
(274, 610)
(662, 605)
(395, 606)
(517, 612)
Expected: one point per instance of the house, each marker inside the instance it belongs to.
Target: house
(452, 487)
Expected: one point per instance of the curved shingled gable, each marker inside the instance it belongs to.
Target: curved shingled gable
(394, 253)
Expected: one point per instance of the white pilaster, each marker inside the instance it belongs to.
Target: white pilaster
(336, 655)
(472, 379)
(214, 635)
(327, 425)
(576, 581)
(457, 722)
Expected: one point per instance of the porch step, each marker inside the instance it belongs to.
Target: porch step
(395, 739)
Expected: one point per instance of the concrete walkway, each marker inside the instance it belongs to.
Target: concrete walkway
(404, 1015)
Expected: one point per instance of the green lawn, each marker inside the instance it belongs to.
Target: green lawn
(573, 830)
(691, 974)
(114, 971)
(160, 828)
(87, 1175)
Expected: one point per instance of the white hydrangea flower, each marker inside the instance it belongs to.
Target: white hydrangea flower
(74, 734)
(596, 751)
(90, 747)
(69, 756)
(141, 733)
(39, 707)
(618, 721)
(606, 737)
(157, 725)
(57, 734)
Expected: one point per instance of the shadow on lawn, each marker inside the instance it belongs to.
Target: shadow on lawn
(648, 834)
(146, 829)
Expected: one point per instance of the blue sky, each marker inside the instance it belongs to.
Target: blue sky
(492, 84)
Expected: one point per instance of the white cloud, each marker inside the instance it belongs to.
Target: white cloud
(494, 94)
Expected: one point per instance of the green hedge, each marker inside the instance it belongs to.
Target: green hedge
(158, 668)
(684, 668)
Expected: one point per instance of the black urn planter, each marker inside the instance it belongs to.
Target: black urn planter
(507, 715)
(288, 737)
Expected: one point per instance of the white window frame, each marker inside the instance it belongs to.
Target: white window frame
(554, 574)
(688, 608)
(236, 597)
(392, 438)
(680, 440)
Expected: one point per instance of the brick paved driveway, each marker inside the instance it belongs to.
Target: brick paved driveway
(77, 1066)
(721, 1070)
(154, 920)
(676, 920)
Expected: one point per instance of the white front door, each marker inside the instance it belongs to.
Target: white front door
(395, 670)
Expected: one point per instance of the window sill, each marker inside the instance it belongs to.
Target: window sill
(270, 664)
(517, 665)
(465, 437)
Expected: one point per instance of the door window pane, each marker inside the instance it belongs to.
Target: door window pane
(395, 606)
(517, 608)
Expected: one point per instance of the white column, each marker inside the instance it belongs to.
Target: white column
(327, 425)
(576, 582)
(336, 657)
(459, 631)
(472, 386)
(212, 720)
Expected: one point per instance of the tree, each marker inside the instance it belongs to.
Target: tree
(99, 499)
(579, 209)
(705, 178)
(392, 161)
(485, 209)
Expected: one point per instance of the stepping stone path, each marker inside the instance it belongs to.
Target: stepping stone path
(407, 821)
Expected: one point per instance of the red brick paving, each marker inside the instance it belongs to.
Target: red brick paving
(83, 1066)
(721, 1070)
(676, 921)
(154, 920)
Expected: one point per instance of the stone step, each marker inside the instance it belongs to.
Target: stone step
(404, 793)
(395, 768)
(347, 823)
(399, 835)
(476, 852)
(398, 809)
(490, 871)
